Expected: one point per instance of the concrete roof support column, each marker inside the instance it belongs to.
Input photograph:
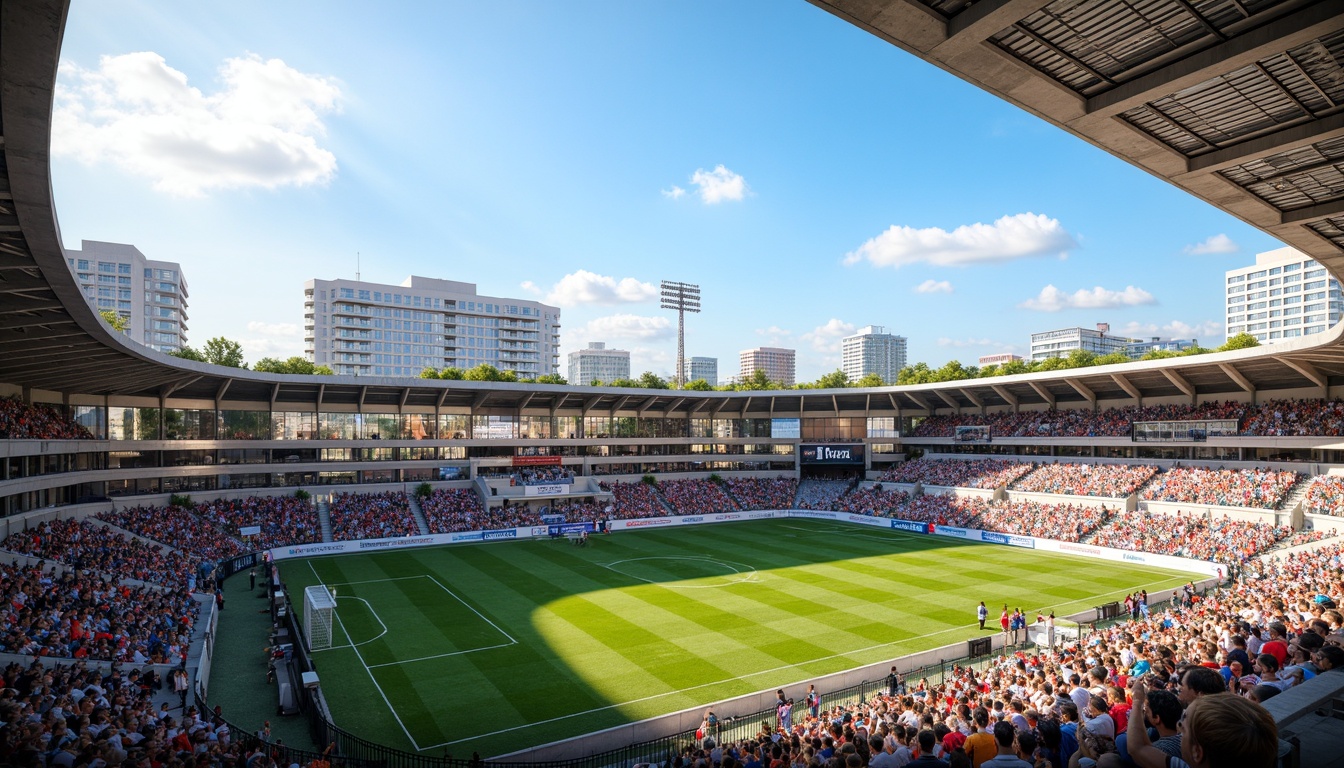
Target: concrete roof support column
(1129, 388)
(1242, 381)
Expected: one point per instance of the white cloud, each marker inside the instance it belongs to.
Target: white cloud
(775, 336)
(934, 286)
(976, 343)
(260, 129)
(628, 327)
(1052, 299)
(584, 287)
(1012, 237)
(1176, 329)
(826, 338)
(719, 185)
(273, 329)
(1216, 244)
(674, 193)
(530, 287)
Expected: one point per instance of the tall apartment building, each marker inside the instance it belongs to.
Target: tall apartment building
(371, 329)
(150, 295)
(872, 350)
(597, 363)
(1284, 296)
(1060, 343)
(778, 364)
(706, 368)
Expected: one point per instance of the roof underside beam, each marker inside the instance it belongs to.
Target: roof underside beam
(1308, 370)
(1279, 35)
(1237, 376)
(947, 398)
(1128, 386)
(1044, 393)
(1083, 389)
(1003, 392)
(1295, 136)
(919, 400)
(1180, 382)
(970, 395)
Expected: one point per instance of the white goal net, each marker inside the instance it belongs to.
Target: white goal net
(319, 611)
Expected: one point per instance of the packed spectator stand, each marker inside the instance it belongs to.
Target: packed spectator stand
(82, 545)
(1111, 480)
(981, 473)
(451, 510)
(822, 493)
(634, 500)
(35, 421)
(186, 531)
(1258, 488)
(762, 492)
(1325, 495)
(694, 497)
(283, 520)
(371, 516)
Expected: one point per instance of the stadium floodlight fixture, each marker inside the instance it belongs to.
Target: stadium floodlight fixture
(683, 297)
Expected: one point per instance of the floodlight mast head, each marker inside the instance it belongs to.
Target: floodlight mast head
(683, 297)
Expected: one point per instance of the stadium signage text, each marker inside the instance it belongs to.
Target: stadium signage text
(1010, 540)
(465, 536)
(536, 461)
(909, 525)
(422, 541)
(507, 533)
(831, 454)
(549, 489)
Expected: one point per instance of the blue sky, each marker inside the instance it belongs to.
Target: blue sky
(811, 177)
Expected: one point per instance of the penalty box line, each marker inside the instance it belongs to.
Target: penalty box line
(368, 668)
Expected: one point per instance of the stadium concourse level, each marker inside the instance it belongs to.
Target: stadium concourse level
(371, 516)
(1272, 418)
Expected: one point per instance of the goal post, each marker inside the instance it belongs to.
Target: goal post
(319, 611)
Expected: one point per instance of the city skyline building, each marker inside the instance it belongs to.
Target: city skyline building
(150, 295)
(1062, 341)
(375, 329)
(872, 350)
(706, 368)
(779, 364)
(597, 363)
(998, 359)
(1285, 295)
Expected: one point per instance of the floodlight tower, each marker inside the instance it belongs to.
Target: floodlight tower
(684, 298)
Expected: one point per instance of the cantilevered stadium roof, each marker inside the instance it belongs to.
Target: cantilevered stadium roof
(1239, 102)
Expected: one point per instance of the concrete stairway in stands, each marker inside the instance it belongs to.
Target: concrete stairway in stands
(420, 521)
(324, 520)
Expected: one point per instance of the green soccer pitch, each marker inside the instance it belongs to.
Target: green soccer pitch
(502, 646)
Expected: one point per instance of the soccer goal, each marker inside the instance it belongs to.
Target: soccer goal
(319, 611)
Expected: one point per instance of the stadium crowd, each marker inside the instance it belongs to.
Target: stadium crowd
(451, 510)
(371, 516)
(694, 497)
(763, 492)
(635, 500)
(35, 421)
(872, 500)
(284, 520)
(1223, 540)
(1259, 488)
(822, 493)
(981, 473)
(1325, 496)
(68, 613)
(177, 526)
(1081, 422)
(1114, 480)
(82, 545)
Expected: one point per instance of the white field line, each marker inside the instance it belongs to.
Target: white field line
(441, 655)
(750, 675)
(749, 576)
(362, 663)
